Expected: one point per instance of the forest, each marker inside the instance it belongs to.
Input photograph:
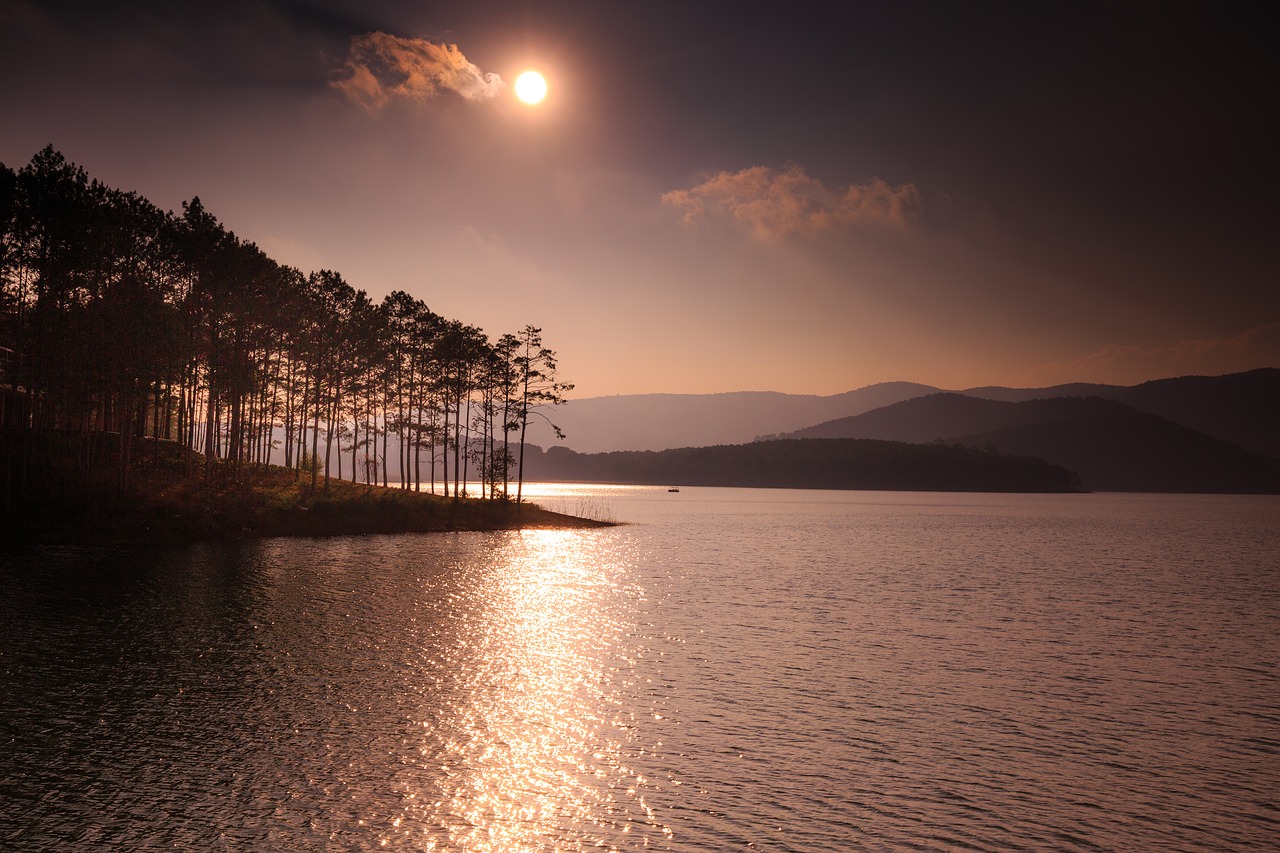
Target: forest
(811, 463)
(131, 336)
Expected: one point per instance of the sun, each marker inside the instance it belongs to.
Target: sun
(531, 87)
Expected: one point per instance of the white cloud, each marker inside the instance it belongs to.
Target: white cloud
(380, 68)
(773, 204)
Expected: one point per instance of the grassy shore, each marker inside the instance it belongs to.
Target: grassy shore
(166, 508)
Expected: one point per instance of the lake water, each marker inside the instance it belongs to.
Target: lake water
(734, 669)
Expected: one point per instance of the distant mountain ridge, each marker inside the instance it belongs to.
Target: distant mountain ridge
(1112, 446)
(1241, 408)
(665, 421)
(1185, 434)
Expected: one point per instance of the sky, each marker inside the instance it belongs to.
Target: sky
(715, 196)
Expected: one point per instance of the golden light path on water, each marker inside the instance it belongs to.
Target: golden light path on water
(531, 743)
(729, 669)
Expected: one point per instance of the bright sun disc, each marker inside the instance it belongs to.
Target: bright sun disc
(531, 87)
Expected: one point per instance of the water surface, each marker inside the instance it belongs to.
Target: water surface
(777, 670)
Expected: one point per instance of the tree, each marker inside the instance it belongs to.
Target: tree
(121, 322)
(536, 386)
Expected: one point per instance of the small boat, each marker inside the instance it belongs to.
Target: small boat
(673, 490)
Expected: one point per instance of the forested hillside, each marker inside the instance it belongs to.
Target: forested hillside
(1242, 408)
(1111, 446)
(812, 464)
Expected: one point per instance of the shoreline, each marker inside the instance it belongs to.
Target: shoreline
(167, 509)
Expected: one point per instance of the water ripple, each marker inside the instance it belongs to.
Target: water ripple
(770, 671)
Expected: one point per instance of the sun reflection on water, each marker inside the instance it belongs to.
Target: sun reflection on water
(528, 750)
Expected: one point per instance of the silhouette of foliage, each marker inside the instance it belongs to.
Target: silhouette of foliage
(814, 464)
(124, 328)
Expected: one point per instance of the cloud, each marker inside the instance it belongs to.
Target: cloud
(380, 68)
(1129, 364)
(774, 204)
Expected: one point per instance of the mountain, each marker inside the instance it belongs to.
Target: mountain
(1242, 408)
(663, 421)
(810, 464)
(1019, 395)
(1111, 445)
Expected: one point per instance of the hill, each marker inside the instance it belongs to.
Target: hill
(810, 464)
(1242, 408)
(1112, 446)
(664, 421)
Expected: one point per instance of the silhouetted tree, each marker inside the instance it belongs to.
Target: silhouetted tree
(536, 385)
(119, 321)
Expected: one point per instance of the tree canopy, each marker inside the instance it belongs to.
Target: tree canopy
(120, 323)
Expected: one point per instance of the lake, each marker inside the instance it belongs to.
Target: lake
(731, 669)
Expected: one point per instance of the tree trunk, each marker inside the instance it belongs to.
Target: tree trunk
(315, 440)
(445, 454)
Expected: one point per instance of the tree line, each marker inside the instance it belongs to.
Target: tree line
(121, 322)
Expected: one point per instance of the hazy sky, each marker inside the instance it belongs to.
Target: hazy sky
(716, 196)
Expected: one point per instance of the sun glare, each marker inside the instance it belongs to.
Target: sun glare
(531, 87)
